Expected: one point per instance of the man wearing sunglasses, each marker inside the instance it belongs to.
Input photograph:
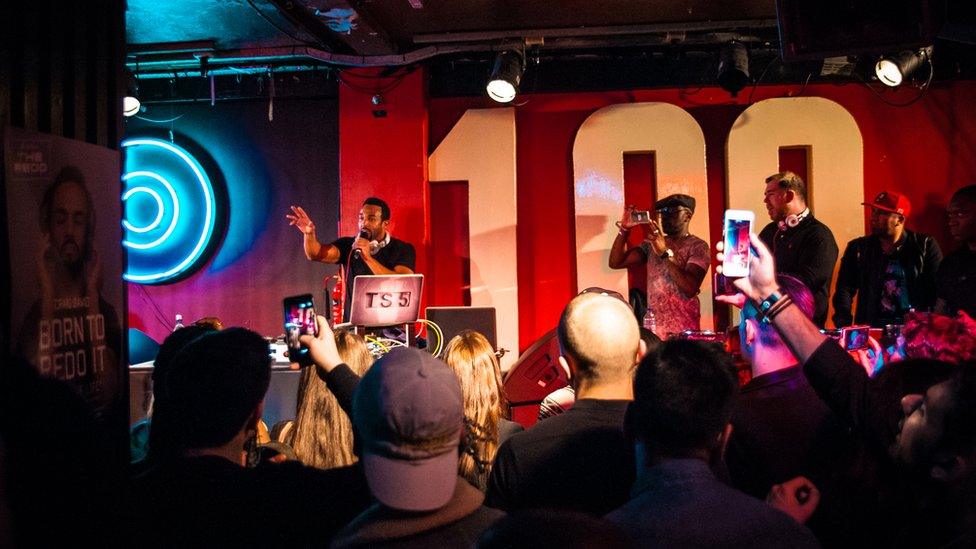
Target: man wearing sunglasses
(676, 262)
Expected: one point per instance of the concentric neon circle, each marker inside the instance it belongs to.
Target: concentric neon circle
(159, 210)
(183, 224)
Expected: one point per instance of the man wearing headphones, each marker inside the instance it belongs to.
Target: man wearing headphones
(802, 246)
(379, 254)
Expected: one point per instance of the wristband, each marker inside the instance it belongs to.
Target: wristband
(777, 309)
(766, 304)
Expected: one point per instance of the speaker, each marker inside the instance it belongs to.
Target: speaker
(536, 374)
(454, 320)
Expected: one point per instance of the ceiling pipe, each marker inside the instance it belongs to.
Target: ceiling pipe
(153, 62)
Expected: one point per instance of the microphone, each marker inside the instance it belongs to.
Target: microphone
(357, 253)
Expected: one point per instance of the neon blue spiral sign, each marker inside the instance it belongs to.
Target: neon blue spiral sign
(171, 211)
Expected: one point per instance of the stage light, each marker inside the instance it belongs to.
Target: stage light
(130, 106)
(733, 67)
(505, 76)
(894, 69)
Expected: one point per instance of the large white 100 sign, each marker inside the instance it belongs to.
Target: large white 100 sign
(826, 128)
(598, 169)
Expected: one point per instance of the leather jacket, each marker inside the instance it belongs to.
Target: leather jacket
(862, 268)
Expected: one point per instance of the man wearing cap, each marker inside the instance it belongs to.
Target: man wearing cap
(408, 414)
(802, 245)
(892, 270)
(676, 263)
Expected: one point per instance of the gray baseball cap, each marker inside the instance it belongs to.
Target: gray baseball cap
(409, 414)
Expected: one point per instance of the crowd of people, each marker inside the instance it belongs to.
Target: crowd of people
(658, 444)
(662, 447)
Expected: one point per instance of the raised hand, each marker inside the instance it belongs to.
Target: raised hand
(871, 358)
(363, 246)
(656, 238)
(626, 222)
(300, 220)
(322, 347)
(762, 272)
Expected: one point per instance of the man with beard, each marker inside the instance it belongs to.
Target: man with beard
(373, 252)
(957, 275)
(803, 246)
(70, 332)
(933, 445)
(891, 271)
(676, 263)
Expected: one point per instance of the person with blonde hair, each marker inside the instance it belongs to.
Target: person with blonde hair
(321, 434)
(473, 360)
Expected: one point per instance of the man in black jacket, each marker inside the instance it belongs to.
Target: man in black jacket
(803, 246)
(892, 270)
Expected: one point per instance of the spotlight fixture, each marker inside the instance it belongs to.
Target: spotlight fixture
(892, 70)
(733, 67)
(505, 76)
(130, 101)
(130, 106)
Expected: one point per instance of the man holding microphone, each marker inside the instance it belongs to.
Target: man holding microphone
(373, 252)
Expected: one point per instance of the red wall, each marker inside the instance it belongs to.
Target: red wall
(925, 151)
(385, 156)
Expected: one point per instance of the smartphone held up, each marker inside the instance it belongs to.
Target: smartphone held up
(640, 216)
(299, 320)
(736, 229)
(854, 338)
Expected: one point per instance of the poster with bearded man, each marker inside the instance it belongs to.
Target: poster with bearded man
(63, 216)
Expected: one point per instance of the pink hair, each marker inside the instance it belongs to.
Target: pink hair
(929, 335)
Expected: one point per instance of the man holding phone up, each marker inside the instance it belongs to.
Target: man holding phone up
(676, 262)
(373, 252)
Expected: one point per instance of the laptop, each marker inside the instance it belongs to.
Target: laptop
(385, 300)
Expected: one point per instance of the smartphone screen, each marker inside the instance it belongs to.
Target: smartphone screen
(738, 225)
(855, 337)
(299, 320)
(640, 216)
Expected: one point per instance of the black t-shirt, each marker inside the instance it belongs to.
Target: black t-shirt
(579, 460)
(956, 281)
(396, 253)
(808, 252)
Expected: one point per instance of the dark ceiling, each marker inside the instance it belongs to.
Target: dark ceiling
(568, 44)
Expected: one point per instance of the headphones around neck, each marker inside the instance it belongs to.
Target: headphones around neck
(793, 220)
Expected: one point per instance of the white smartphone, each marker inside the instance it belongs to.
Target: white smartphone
(738, 225)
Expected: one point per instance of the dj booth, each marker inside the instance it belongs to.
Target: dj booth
(381, 301)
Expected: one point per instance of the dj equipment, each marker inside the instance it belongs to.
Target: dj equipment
(454, 320)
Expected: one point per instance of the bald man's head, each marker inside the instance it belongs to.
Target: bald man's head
(600, 334)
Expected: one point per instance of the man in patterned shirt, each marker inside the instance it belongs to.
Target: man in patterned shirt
(676, 263)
